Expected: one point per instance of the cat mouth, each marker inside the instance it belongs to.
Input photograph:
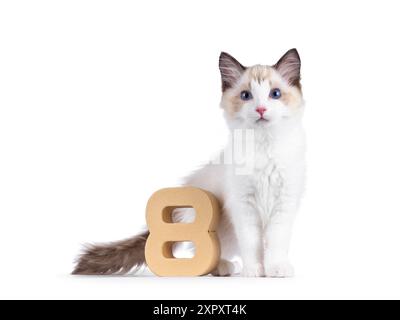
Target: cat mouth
(262, 120)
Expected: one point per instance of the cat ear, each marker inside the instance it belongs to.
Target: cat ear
(289, 67)
(231, 70)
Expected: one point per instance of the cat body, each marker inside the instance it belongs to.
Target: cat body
(258, 208)
(259, 186)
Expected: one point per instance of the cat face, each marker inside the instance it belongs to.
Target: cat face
(260, 96)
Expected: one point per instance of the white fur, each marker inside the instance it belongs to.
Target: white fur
(259, 208)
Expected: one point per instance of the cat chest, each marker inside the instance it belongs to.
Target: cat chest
(267, 185)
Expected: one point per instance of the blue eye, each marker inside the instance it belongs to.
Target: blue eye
(275, 94)
(246, 95)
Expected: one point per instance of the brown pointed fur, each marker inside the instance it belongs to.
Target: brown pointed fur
(117, 257)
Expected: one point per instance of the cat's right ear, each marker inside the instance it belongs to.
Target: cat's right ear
(231, 70)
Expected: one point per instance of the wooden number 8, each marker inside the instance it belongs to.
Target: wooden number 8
(163, 232)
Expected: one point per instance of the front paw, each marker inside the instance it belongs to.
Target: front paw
(279, 270)
(254, 271)
(225, 269)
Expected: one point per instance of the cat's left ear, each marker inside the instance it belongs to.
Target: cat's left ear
(289, 67)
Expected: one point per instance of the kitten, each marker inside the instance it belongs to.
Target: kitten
(263, 107)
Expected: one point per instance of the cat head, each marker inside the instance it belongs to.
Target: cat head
(261, 96)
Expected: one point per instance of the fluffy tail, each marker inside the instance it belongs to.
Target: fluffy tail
(117, 257)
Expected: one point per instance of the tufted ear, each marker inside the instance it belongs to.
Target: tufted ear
(289, 67)
(231, 70)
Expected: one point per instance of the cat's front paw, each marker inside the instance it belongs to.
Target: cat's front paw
(225, 269)
(279, 270)
(254, 271)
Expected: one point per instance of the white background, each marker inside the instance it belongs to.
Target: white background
(104, 102)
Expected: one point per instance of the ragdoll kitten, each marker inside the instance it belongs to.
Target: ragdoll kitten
(259, 203)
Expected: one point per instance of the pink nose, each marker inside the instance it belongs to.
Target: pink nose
(261, 110)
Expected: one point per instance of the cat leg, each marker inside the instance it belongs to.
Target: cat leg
(247, 227)
(277, 240)
(229, 248)
(278, 227)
